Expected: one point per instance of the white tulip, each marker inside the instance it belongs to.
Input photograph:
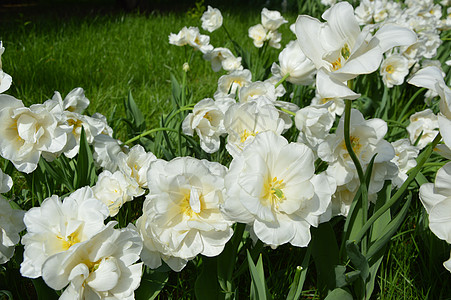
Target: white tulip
(11, 224)
(211, 19)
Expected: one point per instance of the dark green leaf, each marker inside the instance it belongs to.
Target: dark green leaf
(339, 294)
(43, 291)
(152, 283)
(358, 260)
(207, 286)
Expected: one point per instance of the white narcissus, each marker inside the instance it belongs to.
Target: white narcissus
(436, 199)
(191, 36)
(341, 51)
(106, 151)
(207, 120)
(405, 159)
(181, 213)
(103, 267)
(57, 225)
(294, 63)
(272, 186)
(258, 34)
(25, 133)
(11, 224)
(211, 19)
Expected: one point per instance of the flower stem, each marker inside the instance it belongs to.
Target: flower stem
(287, 111)
(422, 160)
(149, 132)
(282, 80)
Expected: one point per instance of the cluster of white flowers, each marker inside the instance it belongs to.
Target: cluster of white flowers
(271, 185)
(271, 20)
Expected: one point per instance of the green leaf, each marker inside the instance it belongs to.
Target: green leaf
(325, 255)
(4, 294)
(206, 285)
(339, 294)
(340, 277)
(176, 91)
(258, 284)
(389, 230)
(134, 114)
(358, 260)
(152, 283)
(85, 163)
(421, 179)
(43, 291)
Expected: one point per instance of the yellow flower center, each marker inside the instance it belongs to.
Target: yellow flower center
(247, 134)
(192, 203)
(355, 144)
(325, 100)
(76, 123)
(389, 69)
(70, 240)
(273, 192)
(208, 116)
(345, 52)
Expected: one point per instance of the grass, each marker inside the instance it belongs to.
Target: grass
(111, 54)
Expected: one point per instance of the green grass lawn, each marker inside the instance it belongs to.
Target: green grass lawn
(110, 54)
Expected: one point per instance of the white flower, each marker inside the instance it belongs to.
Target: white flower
(272, 186)
(336, 106)
(27, 132)
(366, 138)
(223, 58)
(258, 34)
(405, 159)
(314, 124)
(191, 36)
(5, 182)
(292, 61)
(436, 198)
(57, 225)
(106, 150)
(341, 51)
(103, 267)
(211, 19)
(432, 78)
(207, 120)
(5, 79)
(114, 189)
(11, 224)
(422, 123)
(182, 210)
(135, 164)
(76, 101)
(244, 121)
(272, 19)
(230, 84)
(394, 69)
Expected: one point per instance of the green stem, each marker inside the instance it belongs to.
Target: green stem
(427, 153)
(287, 111)
(358, 166)
(408, 105)
(282, 80)
(183, 108)
(149, 132)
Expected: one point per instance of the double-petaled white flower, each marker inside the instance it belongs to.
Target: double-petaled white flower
(341, 51)
(207, 120)
(211, 19)
(367, 140)
(436, 198)
(191, 36)
(103, 267)
(405, 159)
(230, 84)
(135, 164)
(114, 189)
(181, 216)
(422, 128)
(58, 225)
(267, 30)
(272, 186)
(244, 121)
(25, 133)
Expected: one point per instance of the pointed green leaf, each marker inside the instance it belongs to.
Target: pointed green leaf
(206, 285)
(339, 294)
